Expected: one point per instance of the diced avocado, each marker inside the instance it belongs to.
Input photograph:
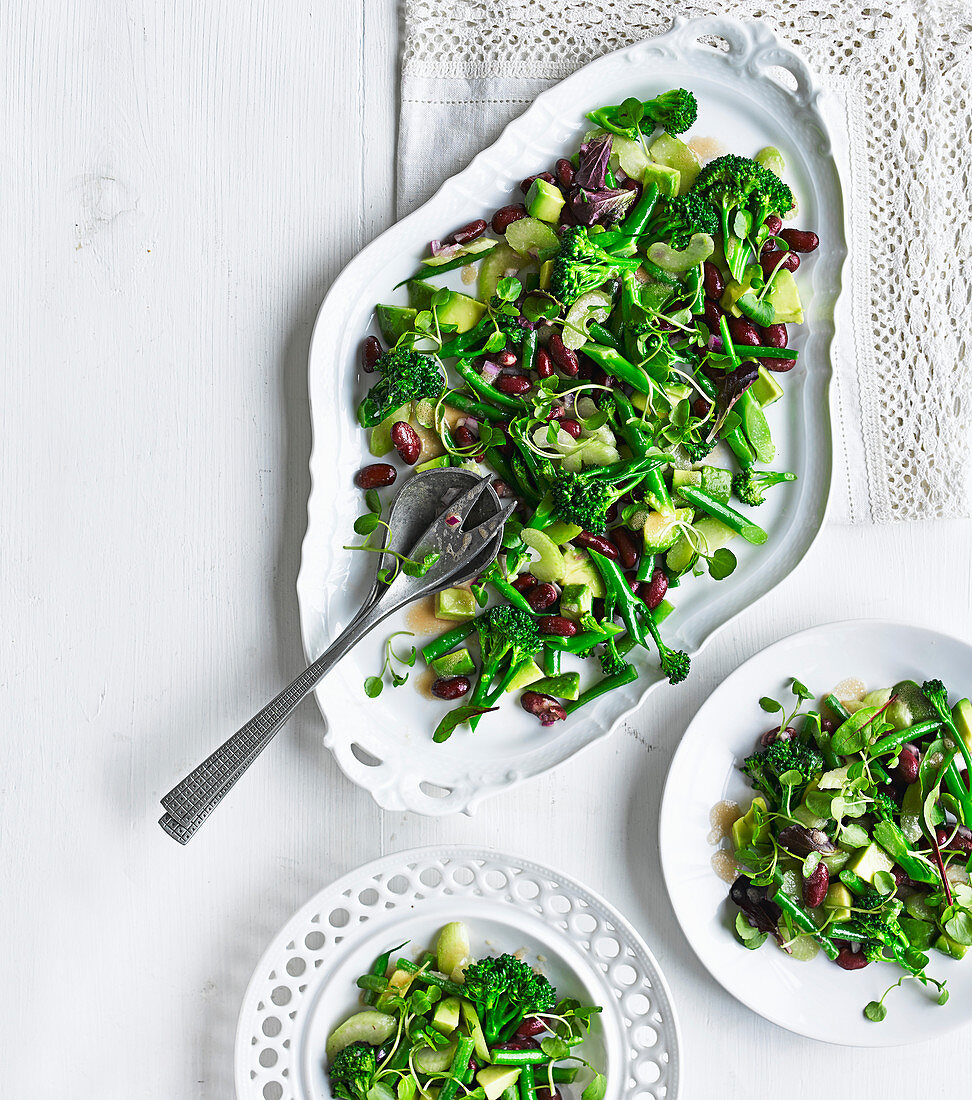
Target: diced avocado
(420, 293)
(476, 249)
(920, 933)
(528, 673)
(456, 663)
(397, 986)
(502, 261)
(544, 201)
(807, 817)
(717, 483)
(532, 238)
(910, 705)
(869, 861)
(549, 565)
(674, 153)
(840, 900)
(579, 569)
(394, 321)
(665, 179)
(460, 310)
(714, 535)
(379, 443)
(455, 604)
(495, 1080)
(446, 1018)
(962, 717)
(560, 532)
(471, 1020)
(432, 464)
(576, 600)
(765, 389)
(660, 531)
(743, 828)
(783, 296)
(565, 685)
(948, 946)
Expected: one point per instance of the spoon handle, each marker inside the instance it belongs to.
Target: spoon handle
(192, 800)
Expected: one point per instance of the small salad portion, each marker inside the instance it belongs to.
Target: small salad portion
(449, 1026)
(610, 362)
(858, 840)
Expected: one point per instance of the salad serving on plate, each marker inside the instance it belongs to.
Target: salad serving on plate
(857, 841)
(612, 369)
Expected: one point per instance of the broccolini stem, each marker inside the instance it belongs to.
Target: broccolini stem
(615, 364)
(474, 408)
(608, 683)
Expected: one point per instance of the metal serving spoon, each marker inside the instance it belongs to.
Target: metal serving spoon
(451, 512)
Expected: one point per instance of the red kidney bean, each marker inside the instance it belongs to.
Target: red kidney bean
(743, 332)
(513, 384)
(571, 427)
(450, 687)
(466, 233)
(598, 543)
(532, 1025)
(565, 172)
(507, 215)
(546, 1093)
(541, 597)
(501, 489)
(506, 358)
(657, 587)
(907, 769)
(828, 725)
(769, 261)
(711, 312)
(521, 1043)
(633, 583)
(525, 184)
(800, 240)
(778, 366)
(770, 737)
(375, 476)
(406, 442)
(524, 582)
(612, 513)
(815, 887)
(463, 436)
(774, 223)
(849, 959)
(712, 281)
(370, 351)
(562, 355)
(774, 336)
(543, 364)
(556, 625)
(627, 549)
(557, 412)
(631, 185)
(700, 407)
(961, 842)
(545, 707)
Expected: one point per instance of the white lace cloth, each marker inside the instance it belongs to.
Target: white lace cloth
(900, 76)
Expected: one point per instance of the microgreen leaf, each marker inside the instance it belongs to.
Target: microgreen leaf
(810, 864)
(555, 1048)
(875, 1011)
(942, 995)
(441, 297)
(959, 927)
(800, 690)
(373, 501)
(365, 524)
(722, 564)
(742, 224)
(771, 706)
(373, 686)
(630, 114)
(496, 342)
(884, 882)
(597, 1089)
(508, 289)
(537, 309)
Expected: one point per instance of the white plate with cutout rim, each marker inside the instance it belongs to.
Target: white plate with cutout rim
(762, 93)
(816, 999)
(304, 984)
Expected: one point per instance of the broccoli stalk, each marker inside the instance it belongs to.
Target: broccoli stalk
(674, 111)
(750, 485)
(636, 617)
(405, 375)
(504, 991)
(353, 1072)
(937, 694)
(582, 265)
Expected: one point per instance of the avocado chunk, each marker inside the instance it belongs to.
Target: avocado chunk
(674, 153)
(869, 861)
(576, 600)
(717, 483)
(544, 201)
(460, 310)
(420, 293)
(456, 663)
(446, 1018)
(962, 717)
(394, 322)
(783, 296)
(660, 532)
(765, 389)
(840, 900)
(455, 604)
(528, 673)
(579, 569)
(380, 442)
(495, 1080)
(665, 179)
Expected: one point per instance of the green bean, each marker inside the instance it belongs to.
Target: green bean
(460, 1063)
(529, 350)
(893, 741)
(837, 707)
(438, 647)
(551, 660)
(485, 390)
(452, 988)
(474, 408)
(802, 919)
(527, 1084)
(734, 520)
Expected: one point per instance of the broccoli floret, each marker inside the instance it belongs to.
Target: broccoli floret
(698, 450)
(585, 497)
(353, 1071)
(674, 111)
(885, 807)
(750, 485)
(512, 326)
(674, 662)
(505, 631)
(582, 265)
(504, 990)
(681, 217)
(405, 375)
(765, 766)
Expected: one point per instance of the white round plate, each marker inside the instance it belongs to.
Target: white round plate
(304, 984)
(815, 998)
(754, 92)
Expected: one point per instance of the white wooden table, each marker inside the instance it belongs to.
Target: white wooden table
(180, 184)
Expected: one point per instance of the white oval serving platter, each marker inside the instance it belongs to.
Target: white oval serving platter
(752, 92)
(305, 983)
(816, 999)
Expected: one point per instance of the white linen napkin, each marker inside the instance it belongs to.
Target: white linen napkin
(899, 83)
